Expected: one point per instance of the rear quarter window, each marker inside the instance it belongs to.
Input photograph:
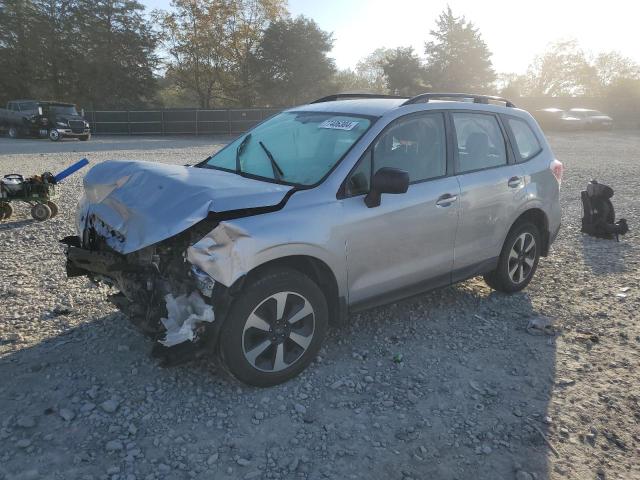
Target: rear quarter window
(526, 143)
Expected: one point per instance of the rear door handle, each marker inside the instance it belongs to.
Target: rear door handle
(446, 200)
(515, 182)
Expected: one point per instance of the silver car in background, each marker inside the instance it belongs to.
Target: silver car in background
(324, 209)
(589, 119)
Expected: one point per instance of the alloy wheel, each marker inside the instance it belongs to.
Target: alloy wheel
(522, 258)
(278, 331)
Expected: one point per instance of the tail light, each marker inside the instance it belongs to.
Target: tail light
(557, 169)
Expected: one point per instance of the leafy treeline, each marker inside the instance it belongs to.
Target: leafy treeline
(241, 52)
(93, 52)
(567, 70)
(232, 53)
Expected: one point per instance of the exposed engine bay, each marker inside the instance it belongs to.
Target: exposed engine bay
(164, 295)
(150, 231)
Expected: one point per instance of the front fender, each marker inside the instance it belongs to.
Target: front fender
(229, 252)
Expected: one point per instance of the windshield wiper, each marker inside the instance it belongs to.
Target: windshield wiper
(277, 171)
(239, 151)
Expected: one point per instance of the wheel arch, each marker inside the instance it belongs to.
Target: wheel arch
(540, 220)
(314, 268)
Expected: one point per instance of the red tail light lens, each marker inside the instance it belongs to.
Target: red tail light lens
(557, 169)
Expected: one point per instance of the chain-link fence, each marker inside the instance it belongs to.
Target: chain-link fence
(176, 122)
(234, 121)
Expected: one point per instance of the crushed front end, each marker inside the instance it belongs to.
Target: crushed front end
(163, 294)
(135, 224)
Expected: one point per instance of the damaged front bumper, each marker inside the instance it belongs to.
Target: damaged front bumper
(164, 295)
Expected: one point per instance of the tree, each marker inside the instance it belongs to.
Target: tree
(512, 85)
(116, 57)
(458, 60)
(563, 70)
(292, 62)
(624, 88)
(613, 71)
(403, 72)
(370, 70)
(212, 46)
(95, 53)
(350, 81)
(194, 36)
(17, 47)
(249, 20)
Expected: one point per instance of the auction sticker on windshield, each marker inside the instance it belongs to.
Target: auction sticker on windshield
(338, 124)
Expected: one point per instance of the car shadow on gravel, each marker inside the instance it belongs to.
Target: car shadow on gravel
(445, 385)
(605, 257)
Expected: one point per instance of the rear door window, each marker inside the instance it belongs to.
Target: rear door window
(480, 142)
(526, 142)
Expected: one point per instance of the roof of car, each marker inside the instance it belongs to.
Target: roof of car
(362, 106)
(377, 107)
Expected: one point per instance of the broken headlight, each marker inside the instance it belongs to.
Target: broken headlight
(203, 281)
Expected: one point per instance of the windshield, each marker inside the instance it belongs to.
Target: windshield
(292, 147)
(63, 109)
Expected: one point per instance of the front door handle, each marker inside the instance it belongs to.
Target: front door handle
(515, 182)
(446, 200)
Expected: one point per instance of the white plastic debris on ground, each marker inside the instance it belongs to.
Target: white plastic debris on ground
(184, 315)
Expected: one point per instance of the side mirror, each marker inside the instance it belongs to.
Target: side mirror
(386, 180)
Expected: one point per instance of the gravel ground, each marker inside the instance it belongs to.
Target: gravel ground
(448, 385)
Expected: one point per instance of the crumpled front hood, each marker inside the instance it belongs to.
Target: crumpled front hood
(142, 203)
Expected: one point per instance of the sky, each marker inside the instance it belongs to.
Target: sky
(515, 31)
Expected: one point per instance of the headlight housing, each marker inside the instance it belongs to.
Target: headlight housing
(61, 124)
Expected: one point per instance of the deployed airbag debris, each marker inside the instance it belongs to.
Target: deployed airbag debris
(184, 313)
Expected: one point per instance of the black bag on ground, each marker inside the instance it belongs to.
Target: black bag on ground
(599, 217)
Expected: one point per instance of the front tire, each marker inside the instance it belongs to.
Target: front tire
(84, 138)
(274, 329)
(518, 259)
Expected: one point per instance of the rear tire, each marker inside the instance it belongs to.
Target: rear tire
(518, 259)
(54, 135)
(274, 329)
(40, 212)
(13, 132)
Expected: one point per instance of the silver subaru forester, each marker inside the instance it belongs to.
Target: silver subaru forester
(324, 209)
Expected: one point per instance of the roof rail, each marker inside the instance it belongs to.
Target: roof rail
(353, 96)
(425, 97)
